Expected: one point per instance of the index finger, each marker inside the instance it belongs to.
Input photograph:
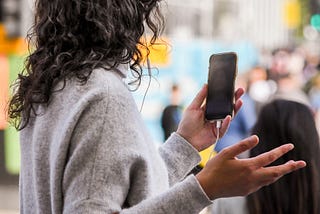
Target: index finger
(200, 97)
(241, 147)
(239, 92)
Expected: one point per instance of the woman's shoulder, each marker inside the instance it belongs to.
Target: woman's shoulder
(100, 83)
(103, 80)
(102, 87)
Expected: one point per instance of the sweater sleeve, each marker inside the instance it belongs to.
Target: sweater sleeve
(104, 171)
(185, 197)
(179, 156)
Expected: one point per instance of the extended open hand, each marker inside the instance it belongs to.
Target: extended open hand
(226, 176)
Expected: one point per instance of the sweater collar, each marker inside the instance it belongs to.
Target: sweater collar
(122, 70)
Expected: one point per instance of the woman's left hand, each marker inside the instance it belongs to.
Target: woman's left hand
(199, 132)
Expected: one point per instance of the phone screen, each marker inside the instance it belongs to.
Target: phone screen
(221, 78)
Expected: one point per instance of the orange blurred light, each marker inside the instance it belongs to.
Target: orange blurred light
(4, 90)
(16, 46)
(158, 52)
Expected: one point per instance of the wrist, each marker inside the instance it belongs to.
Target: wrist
(188, 139)
(205, 185)
(208, 185)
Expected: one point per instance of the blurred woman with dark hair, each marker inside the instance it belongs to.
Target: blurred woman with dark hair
(279, 122)
(84, 147)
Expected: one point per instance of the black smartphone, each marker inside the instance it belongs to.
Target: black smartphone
(221, 81)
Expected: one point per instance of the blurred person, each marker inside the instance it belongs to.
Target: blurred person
(314, 94)
(260, 87)
(172, 113)
(84, 146)
(279, 122)
(279, 62)
(311, 68)
(289, 87)
(287, 71)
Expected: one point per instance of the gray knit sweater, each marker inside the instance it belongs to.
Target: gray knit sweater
(89, 152)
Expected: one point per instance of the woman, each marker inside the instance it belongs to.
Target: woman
(288, 121)
(84, 147)
(279, 122)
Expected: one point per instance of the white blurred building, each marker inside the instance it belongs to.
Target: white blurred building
(262, 22)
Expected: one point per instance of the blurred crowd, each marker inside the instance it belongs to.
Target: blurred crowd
(287, 73)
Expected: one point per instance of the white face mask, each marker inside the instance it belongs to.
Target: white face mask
(262, 91)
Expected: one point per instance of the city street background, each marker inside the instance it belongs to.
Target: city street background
(266, 33)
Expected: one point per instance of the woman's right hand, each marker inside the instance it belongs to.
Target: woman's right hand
(226, 176)
(198, 131)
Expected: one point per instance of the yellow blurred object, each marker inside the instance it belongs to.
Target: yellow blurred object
(205, 155)
(17, 46)
(292, 14)
(159, 54)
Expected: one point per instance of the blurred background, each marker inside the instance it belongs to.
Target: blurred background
(277, 42)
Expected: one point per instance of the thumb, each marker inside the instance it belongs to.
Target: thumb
(200, 97)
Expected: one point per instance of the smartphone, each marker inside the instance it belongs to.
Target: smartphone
(221, 80)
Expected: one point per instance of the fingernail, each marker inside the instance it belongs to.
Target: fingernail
(253, 137)
(301, 163)
(290, 146)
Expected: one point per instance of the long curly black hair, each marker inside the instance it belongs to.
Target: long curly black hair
(71, 38)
